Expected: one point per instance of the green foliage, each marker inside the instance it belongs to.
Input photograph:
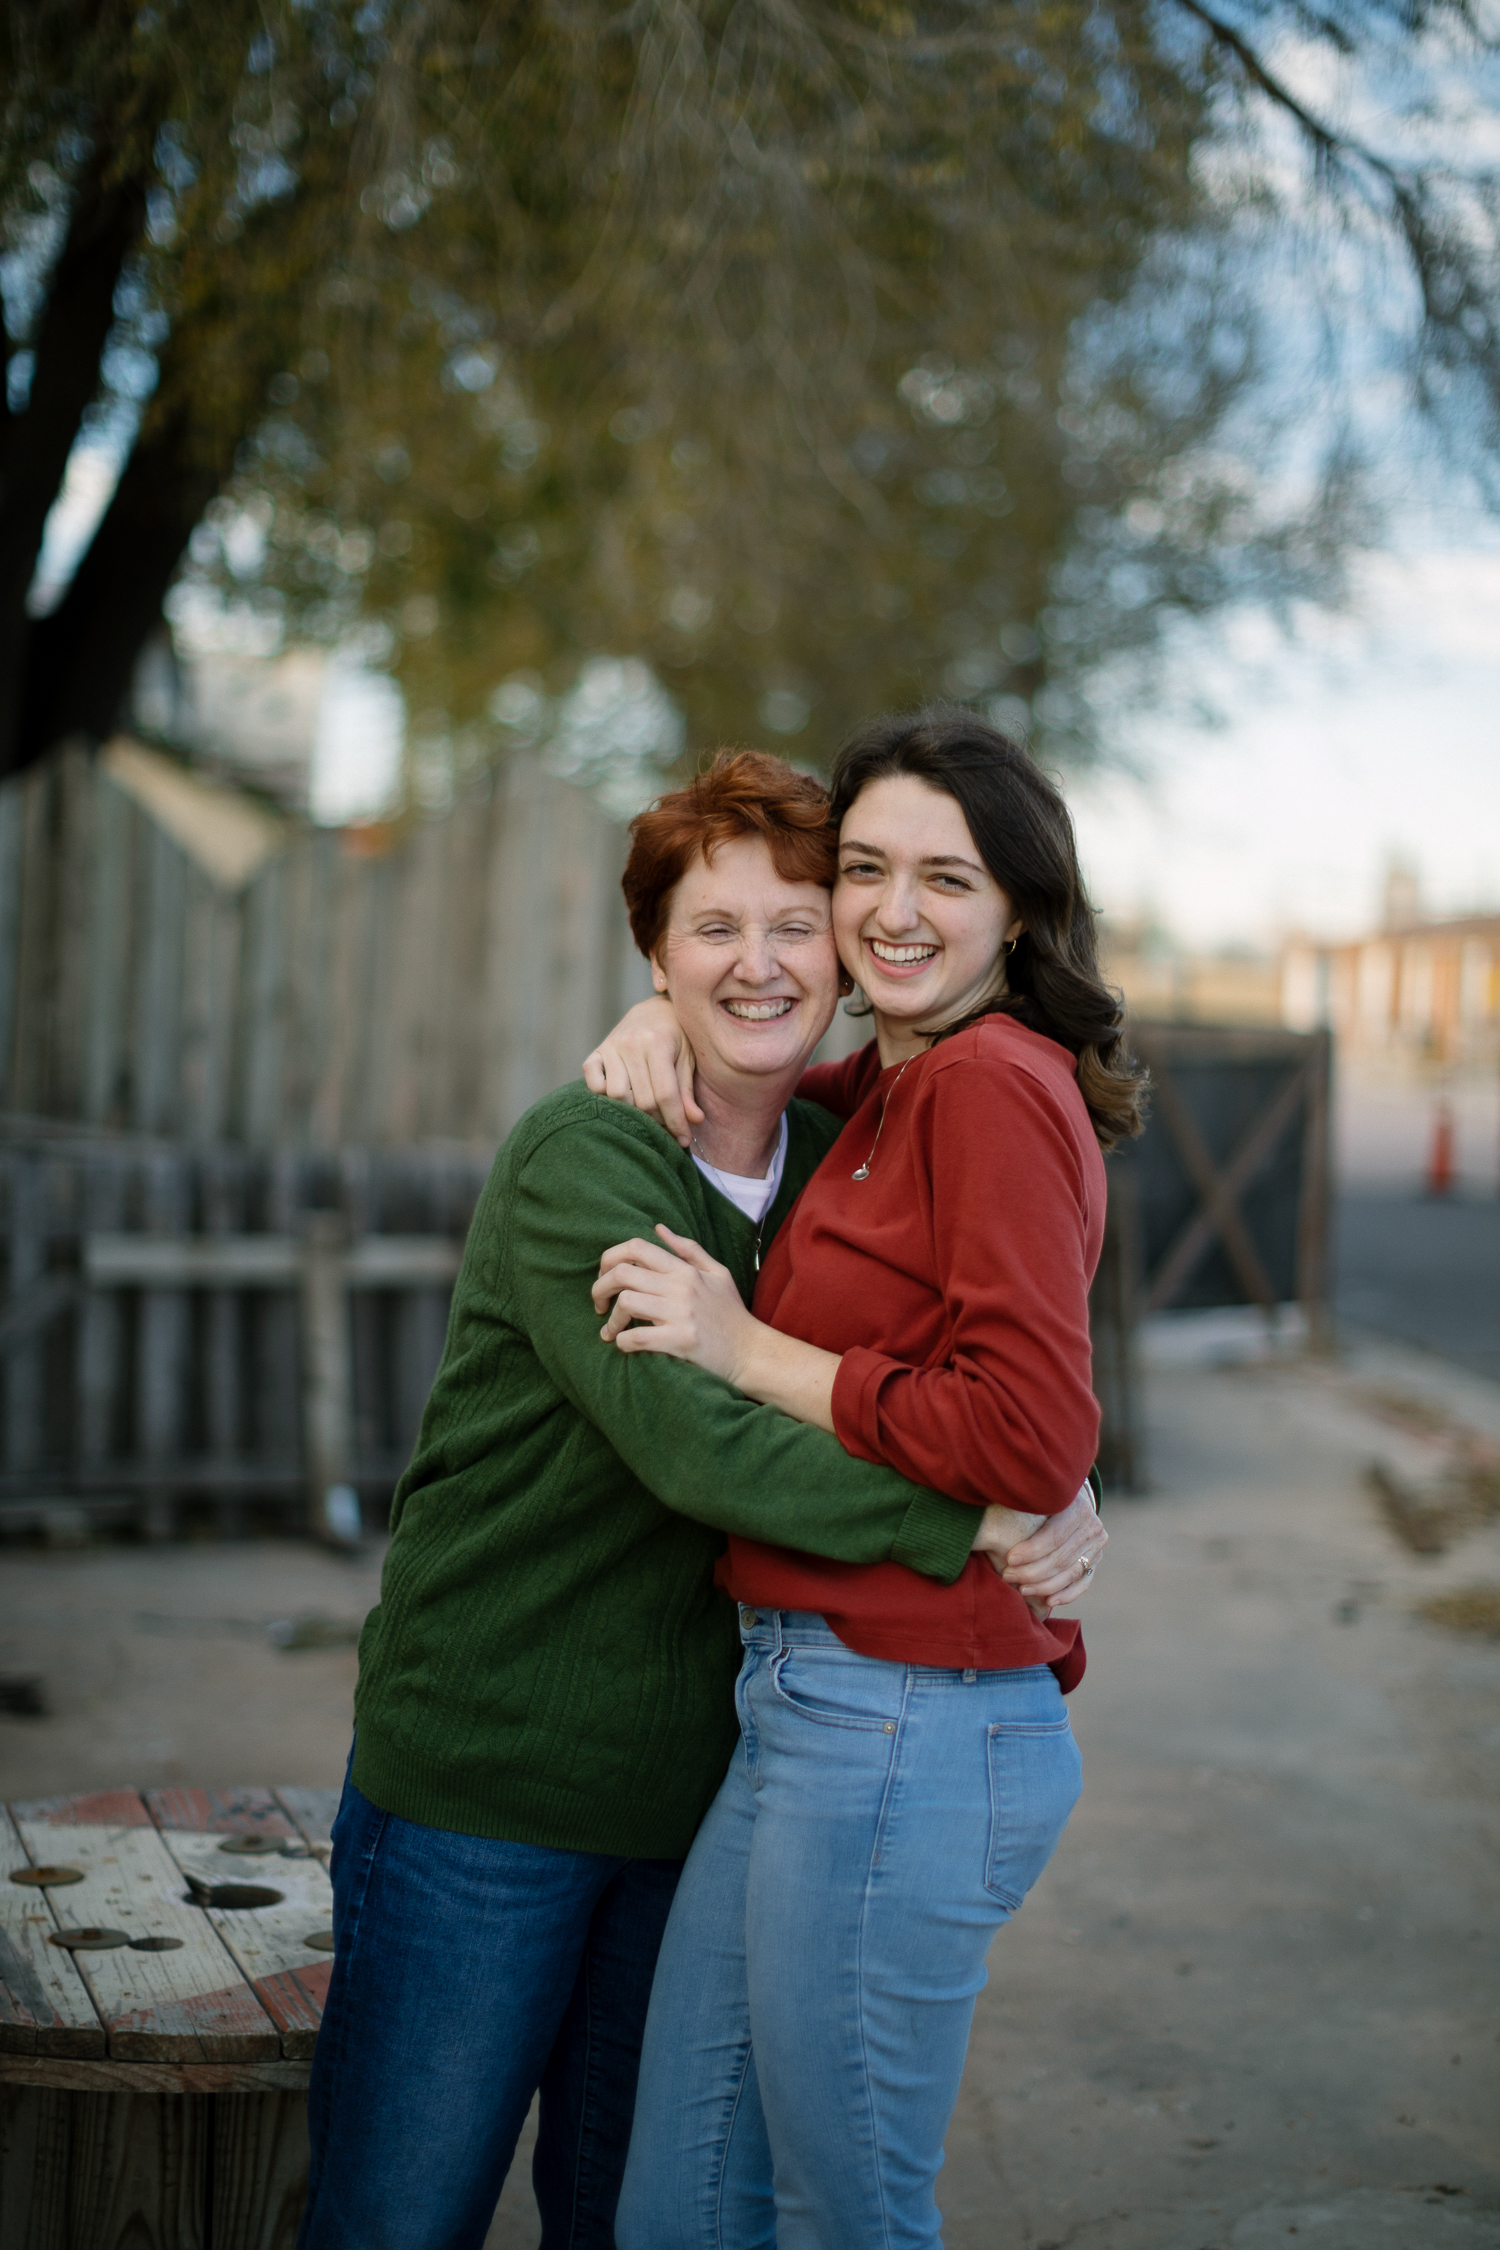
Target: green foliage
(825, 356)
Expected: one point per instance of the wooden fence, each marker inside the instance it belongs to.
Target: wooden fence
(234, 1293)
(433, 990)
(217, 1330)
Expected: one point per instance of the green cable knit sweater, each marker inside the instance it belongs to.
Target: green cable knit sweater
(550, 1659)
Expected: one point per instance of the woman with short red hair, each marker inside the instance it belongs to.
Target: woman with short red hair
(545, 1705)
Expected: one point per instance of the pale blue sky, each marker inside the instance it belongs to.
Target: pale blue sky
(1373, 732)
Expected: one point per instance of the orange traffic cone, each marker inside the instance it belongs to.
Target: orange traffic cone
(1441, 1170)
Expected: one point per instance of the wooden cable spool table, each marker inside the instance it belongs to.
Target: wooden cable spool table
(153, 2073)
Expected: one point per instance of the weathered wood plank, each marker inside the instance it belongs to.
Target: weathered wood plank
(127, 2169)
(36, 2144)
(366, 1321)
(174, 1260)
(106, 2077)
(221, 1812)
(366, 1067)
(226, 937)
(261, 2159)
(63, 1093)
(139, 2172)
(192, 1472)
(259, 1114)
(327, 1377)
(314, 1811)
(44, 2004)
(309, 913)
(45, 1302)
(408, 993)
(421, 1330)
(335, 996)
(27, 1181)
(189, 2005)
(31, 1048)
(190, 1103)
(119, 836)
(223, 1334)
(100, 1332)
(278, 1416)
(162, 1359)
(455, 1095)
(343, 1016)
(584, 875)
(156, 1037)
(12, 825)
(263, 1261)
(288, 1977)
(404, 1261)
(518, 920)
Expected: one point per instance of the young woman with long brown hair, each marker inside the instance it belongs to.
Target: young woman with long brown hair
(906, 1764)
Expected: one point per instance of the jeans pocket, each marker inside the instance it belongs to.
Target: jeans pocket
(838, 1690)
(1035, 1777)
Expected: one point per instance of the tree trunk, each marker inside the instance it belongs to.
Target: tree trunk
(224, 348)
(79, 660)
(104, 226)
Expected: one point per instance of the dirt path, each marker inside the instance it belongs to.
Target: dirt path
(1254, 1995)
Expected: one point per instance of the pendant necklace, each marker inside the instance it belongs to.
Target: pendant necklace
(719, 1177)
(862, 1171)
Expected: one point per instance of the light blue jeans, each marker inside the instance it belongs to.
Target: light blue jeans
(814, 1992)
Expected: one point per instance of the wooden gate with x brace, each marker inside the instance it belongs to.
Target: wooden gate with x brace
(1224, 1200)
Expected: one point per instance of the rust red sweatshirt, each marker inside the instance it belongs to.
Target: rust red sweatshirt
(954, 1282)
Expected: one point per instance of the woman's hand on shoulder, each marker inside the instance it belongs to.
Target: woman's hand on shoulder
(1049, 1560)
(686, 1302)
(646, 1062)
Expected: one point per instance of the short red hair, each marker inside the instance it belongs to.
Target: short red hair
(743, 793)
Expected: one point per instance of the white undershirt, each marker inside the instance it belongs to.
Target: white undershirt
(753, 1197)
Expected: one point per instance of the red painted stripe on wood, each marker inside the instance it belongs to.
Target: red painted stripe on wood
(221, 1812)
(107, 1808)
(293, 1999)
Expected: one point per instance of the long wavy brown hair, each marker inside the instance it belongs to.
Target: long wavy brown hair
(1024, 834)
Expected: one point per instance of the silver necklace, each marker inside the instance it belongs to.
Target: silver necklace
(862, 1171)
(718, 1175)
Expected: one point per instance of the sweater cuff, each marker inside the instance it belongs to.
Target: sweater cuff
(936, 1536)
(856, 1393)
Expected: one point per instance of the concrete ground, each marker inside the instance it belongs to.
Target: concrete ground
(1255, 1995)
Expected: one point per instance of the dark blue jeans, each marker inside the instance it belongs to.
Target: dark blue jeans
(468, 1973)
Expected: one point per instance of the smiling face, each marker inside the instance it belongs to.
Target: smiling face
(921, 922)
(747, 960)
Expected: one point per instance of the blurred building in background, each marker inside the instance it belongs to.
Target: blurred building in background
(1417, 998)
(1414, 1007)
(1165, 981)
